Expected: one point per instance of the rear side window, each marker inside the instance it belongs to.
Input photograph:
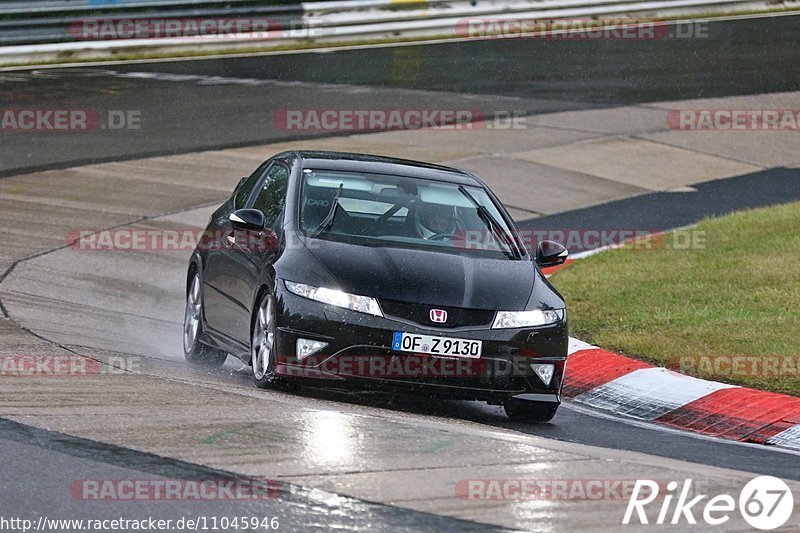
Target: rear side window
(244, 191)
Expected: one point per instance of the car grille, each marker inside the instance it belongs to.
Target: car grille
(457, 317)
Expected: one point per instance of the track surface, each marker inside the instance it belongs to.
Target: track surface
(106, 302)
(53, 461)
(232, 102)
(662, 211)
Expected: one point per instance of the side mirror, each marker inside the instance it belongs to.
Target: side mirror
(248, 220)
(550, 253)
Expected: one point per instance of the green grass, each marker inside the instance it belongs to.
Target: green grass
(737, 294)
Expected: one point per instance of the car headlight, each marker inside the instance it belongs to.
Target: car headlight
(524, 319)
(362, 304)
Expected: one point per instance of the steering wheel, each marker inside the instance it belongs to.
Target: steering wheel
(441, 236)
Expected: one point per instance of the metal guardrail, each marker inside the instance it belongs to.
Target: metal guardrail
(45, 29)
(49, 21)
(36, 7)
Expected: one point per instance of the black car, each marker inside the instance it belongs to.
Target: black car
(378, 273)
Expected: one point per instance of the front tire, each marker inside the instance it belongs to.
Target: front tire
(194, 351)
(263, 343)
(527, 411)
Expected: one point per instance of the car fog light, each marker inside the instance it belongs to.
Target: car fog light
(308, 347)
(544, 371)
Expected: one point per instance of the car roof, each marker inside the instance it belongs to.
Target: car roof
(348, 161)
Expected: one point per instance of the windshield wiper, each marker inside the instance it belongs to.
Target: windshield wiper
(494, 226)
(327, 222)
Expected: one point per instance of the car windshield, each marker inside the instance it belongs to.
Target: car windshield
(381, 209)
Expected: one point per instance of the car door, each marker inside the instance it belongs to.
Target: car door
(217, 305)
(238, 268)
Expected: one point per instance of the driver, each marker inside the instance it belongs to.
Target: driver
(434, 219)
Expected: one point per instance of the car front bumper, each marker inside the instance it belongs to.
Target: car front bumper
(359, 355)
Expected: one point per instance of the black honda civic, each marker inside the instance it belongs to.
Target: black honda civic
(380, 274)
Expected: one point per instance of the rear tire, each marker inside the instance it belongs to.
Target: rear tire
(526, 411)
(194, 351)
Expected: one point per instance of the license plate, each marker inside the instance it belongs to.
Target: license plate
(412, 342)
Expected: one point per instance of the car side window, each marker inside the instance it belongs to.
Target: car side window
(244, 191)
(272, 196)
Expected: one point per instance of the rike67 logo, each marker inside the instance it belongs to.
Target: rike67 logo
(765, 503)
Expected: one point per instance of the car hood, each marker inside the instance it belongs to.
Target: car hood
(427, 277)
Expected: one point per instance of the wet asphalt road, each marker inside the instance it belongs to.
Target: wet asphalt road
(721, 58)
(50, 471)
(573, 423)
(217, 103)
(664, 210)
(53, 470)
(526, 76)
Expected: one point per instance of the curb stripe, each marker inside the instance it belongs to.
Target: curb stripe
(648, 393)
(789, 438)
(739, 414)
(593, 367)
(576, 345)
(632, 388)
